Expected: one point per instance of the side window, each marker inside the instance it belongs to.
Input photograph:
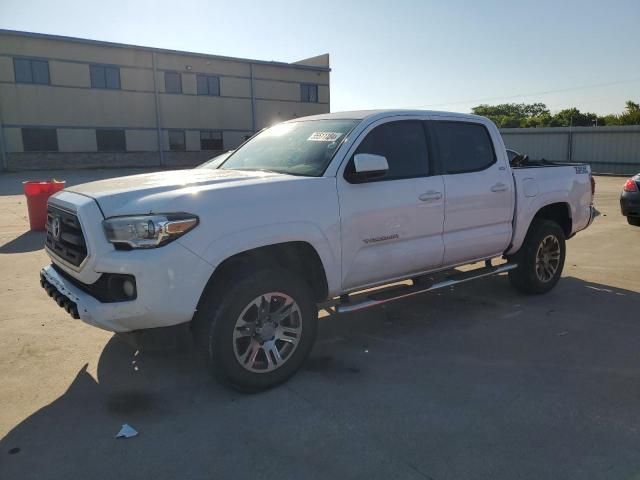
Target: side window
(404, 145)
(463, 147)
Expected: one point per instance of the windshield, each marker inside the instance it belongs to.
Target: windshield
(215, 162)
(297, 148)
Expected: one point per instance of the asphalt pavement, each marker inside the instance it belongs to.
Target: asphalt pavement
(473, 382)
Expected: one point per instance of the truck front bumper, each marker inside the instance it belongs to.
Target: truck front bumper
(169, 283)
(115, 317)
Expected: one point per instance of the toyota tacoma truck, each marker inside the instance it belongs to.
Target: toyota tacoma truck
(308, 211)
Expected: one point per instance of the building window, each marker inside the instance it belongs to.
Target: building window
(309, 93)
(105, 77)
(172, 82)
(208, 85)
(40, 139)
(176, 141)
(211, 140)
(31, 71)
(111, 140)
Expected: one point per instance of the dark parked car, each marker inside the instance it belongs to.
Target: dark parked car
(630, 200)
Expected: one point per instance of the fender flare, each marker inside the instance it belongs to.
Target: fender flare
(251, 238)
(526, 214)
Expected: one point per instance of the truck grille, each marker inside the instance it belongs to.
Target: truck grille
(64, 236)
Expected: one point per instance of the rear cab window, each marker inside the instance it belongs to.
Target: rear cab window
(462, 146)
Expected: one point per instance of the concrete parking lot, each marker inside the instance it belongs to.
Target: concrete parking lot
(476, 382)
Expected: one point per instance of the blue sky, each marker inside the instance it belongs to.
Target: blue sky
(445, 55)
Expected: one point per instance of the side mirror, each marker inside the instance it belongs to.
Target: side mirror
(367, 166)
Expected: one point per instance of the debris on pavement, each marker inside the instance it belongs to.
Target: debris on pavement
(127, 431)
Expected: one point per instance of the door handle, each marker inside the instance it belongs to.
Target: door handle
(499, 187)
(429, 196)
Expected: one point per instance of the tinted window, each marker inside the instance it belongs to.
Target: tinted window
(105, 77)
(111, 140)
(309, 93)
(176, 140)
(208, 85)
(172, 82)
(31, 71)
(463, 147)
(403, 144)
(211, 141)
(39, 139)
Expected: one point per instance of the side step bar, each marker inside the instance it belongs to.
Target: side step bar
(404, 291)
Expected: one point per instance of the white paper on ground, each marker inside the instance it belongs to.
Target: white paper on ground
(127, 431)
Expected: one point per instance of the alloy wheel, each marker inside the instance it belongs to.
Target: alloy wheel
(547, 258)
(267, 332)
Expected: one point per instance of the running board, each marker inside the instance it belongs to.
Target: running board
(404, 291)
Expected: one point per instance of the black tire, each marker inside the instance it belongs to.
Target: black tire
(527, 277)
(635, 221)
(222, 306)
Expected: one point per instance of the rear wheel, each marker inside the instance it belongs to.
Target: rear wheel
(635, 221)
(540, 259)
(259, 328)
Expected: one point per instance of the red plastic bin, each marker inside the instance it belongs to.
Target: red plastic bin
(37, 193)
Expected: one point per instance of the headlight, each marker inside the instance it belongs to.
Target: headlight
(148, 231)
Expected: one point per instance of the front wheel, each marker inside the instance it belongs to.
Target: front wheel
(635, 221)
(260, 328)
(540, 259)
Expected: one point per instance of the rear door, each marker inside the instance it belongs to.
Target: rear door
(391, 226)
(479, 191)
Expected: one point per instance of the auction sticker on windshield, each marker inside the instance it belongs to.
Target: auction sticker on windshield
(324, 137)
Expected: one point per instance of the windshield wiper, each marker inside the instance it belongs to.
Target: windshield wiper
(279, 172)
(260, 170)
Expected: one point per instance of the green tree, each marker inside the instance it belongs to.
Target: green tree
(529, 115)
(507, 115)
(632, 114)
(611, 119)
(632, 107)
(535, 109)
(573, 117)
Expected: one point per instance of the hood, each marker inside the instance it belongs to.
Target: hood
(145, 192)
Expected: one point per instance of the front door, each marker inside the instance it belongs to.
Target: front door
(391, 226)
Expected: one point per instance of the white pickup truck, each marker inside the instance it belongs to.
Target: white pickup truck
(310, 210)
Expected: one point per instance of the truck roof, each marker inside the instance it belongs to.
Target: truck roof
(371, 114)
